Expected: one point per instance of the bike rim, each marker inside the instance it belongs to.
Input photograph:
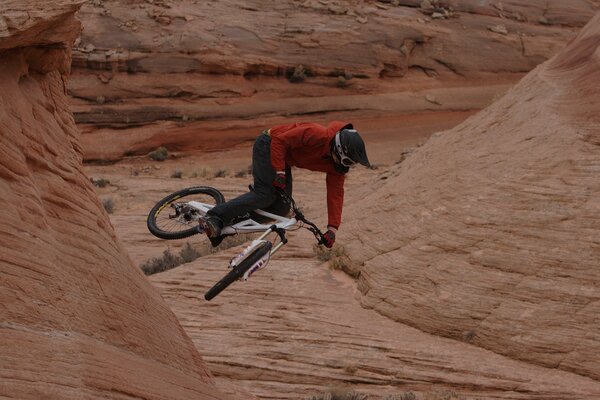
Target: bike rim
(163, 216)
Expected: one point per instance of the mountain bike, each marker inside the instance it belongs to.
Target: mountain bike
(178, 215)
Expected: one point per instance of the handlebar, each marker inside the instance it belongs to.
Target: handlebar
(300, 216)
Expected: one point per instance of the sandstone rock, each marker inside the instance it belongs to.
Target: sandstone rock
(78, 319)
(501, 29)
(221, 41)
(492, 227)
(295, 329)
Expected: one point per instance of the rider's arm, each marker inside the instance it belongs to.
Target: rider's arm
(335, 198)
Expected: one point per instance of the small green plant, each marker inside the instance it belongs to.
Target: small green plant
(342, 82)
(297, 75)
(177, 174)
(159, 154)
(100, 182)
(108, 204)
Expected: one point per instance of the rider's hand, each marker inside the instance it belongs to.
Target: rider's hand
(329, 237)
(279, 181)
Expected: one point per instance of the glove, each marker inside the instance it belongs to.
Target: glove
(329, 238)
(279, 181)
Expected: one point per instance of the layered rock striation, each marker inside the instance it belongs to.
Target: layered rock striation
(489, 232)
(148, 73)
(77, 318)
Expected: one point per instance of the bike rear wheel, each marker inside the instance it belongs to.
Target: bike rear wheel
(239, 270)
(171, 219)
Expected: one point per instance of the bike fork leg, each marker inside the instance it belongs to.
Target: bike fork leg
(277, 247)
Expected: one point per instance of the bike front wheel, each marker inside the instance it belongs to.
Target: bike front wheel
(172, 218)
(239, 270)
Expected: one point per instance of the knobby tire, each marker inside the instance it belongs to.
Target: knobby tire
(164, 203)
(238, 271)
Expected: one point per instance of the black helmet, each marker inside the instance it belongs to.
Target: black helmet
(350, 148)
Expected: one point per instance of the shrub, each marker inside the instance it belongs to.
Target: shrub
(188, 253)
(220, 173)
(159, 154)
(109, 204)
(177, 174)
(403, 396)
(443, 395)
(241, 174)
(160, 264)
(340, 394)
(297, 75)
(204, 172)
(100, 182)
(341, 82)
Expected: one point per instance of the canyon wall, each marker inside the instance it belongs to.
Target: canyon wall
(490, 232)
(77, 318)
(208, 75)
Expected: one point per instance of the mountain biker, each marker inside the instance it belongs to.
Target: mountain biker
(332, 150)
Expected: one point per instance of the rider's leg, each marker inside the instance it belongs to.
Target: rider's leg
(263, 194)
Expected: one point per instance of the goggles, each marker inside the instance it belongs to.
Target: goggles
(344, 159)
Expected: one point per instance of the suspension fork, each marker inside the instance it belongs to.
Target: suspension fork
(280, 232)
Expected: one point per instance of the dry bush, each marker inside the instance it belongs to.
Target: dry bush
(339, 394)
(177, 174)
(337, 255)
(101, 182)
(443, 395)
(189, 253)
(109, 204)
(159, 154)
(221, 173)
(403, 396)
(297, 75)
(203, 172)
(160, 264)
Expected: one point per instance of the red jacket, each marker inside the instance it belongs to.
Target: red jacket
(307, 145)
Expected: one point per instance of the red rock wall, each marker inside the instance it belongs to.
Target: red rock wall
(77, 318)
(151, 73)
(490, 232)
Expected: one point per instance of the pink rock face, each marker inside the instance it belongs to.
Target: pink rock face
(489, 233)
(78, 319)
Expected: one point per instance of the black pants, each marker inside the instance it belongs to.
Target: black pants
(263, 196)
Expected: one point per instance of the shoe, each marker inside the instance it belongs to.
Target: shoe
(211, 226)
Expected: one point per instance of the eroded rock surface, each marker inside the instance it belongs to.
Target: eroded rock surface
(78, 319)
(148, 73)
(297, 328)
(489, 233)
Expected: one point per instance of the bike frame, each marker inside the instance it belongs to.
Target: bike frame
(251, 226)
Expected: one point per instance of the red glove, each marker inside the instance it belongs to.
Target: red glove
(279, 181)
(329, 238)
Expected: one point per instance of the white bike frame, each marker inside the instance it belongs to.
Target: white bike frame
(249, 225)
